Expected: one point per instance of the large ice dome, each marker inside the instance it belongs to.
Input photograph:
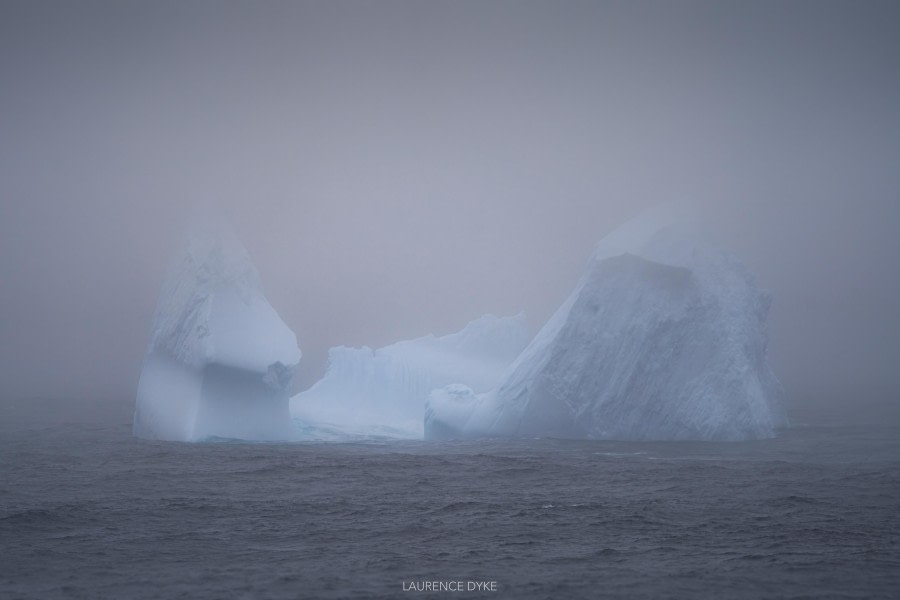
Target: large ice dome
(663, 338)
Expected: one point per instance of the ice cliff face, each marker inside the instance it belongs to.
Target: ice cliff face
(663, 338)
(383, 391)
(220, 359)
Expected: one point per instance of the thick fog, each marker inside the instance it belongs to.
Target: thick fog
(399, 168)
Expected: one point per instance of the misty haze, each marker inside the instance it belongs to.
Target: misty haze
(488, 299)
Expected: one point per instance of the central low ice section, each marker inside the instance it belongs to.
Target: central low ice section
(220, 360)
(663, 338)
(382, 392)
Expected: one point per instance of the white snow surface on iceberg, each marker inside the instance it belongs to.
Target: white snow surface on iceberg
(663, 338)
(382, 392)
(220, 359)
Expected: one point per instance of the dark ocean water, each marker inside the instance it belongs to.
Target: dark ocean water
(87, 511)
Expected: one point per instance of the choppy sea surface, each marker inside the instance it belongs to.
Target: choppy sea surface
(88, 511)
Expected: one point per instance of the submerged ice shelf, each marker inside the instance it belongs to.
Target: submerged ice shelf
(382, 392)
(663, 338)
(220, 360)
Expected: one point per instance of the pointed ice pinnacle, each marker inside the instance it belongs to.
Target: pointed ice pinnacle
(220, 359)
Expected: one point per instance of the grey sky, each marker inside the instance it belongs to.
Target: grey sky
(398, 168)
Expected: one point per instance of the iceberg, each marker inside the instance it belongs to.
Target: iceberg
(382, 392)
(663, 338)
(220, 360)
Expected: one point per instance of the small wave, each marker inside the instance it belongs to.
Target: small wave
(794, 500)
(620, 453)
(31, 516)
(465, 505)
